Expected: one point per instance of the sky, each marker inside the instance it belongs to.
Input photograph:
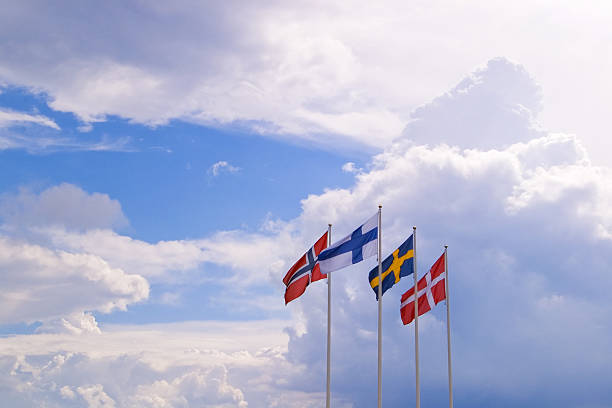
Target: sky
(162, 166)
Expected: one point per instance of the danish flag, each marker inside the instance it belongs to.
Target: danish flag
(304, 271)
(432, 290)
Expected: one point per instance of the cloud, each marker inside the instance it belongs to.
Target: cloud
(204, 388)
(527, 220)
(349, 167)
(222, 166)
(61, 260)
(75, 323)
(40, 134)
(493, 107)
(41, 144)
(204, 364)
(229, 64)
(61, 267)
(520, 262)
(63, 205)
(95, 397)
(526, 217)
(59, 287)
(247, 255)
(10, 118)
(40, 283)
(36, 144)
(146, 259)
(302, 68)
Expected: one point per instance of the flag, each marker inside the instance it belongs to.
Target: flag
(396, 265)
(304, 271)
(432, 290)
(355, 247)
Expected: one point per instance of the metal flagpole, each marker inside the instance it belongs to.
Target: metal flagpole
(328, 392)
(448, 339)
(379, 307)
(416, 320)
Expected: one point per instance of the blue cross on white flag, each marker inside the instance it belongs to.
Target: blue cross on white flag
(355, 247)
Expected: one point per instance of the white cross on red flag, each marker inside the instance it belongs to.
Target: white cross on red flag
(432, 290)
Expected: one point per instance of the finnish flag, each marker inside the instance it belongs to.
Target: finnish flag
(355, 247)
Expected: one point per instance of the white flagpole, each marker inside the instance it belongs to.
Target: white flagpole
(448, 339)
(416, 320)
(379, 307)
(328, 391)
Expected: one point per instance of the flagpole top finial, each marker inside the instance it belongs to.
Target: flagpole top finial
(414, 228)
(379, 206)
(329, 225)
(445, 246)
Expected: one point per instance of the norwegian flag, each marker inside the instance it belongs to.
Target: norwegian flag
(432, 290)
(304, 271)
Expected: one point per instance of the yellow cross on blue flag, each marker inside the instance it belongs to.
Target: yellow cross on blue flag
(396, 265)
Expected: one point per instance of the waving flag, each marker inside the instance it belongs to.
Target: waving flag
(432, 290)
(304, 271)
(395, 266)
(355, 247)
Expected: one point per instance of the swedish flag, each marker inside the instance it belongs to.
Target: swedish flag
(396, 265)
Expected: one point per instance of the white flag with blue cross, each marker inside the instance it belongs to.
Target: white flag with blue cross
(355, 247)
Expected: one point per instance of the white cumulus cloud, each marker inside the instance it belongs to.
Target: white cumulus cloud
(41, 283)
(526, 217)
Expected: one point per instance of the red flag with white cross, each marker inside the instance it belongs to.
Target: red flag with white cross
(431, 291)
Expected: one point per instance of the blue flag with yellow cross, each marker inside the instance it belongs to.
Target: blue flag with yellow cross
(396, 265)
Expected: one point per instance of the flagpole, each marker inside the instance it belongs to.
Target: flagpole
(448, 339)
(328, 391)
(416, 320)
(379, 307)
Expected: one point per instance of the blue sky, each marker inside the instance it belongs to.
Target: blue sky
(163, 165)
(166, 170)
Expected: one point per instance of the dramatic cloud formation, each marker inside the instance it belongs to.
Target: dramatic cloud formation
(528, 223)
(311, 69)
(520, 237)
